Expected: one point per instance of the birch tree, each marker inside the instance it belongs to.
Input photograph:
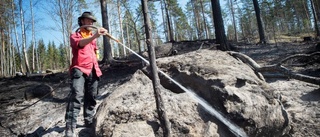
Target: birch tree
(23, 33)
(33, 37)
(16, 36)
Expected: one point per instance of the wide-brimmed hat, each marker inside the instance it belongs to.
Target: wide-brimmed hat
(87, 15)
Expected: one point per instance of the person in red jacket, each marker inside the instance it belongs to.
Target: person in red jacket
(85, 73)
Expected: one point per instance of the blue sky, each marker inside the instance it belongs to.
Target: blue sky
(45, 23)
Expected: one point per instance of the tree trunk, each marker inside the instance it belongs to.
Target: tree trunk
(24, 38)
(164, 121)
(168, 22)
(107, 50)
(196, 17)
(16, 35)
(219, 26)
(33, 36)
(234, 22)
(12, 51)
(63, 32)
(2, 63)
(205, 27)
(259, 21)
(121, 28)
(316, 24)
(164, 20)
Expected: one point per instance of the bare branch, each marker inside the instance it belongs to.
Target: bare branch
(278, 67)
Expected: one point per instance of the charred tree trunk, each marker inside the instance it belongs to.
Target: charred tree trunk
(259, 21)
(219, 26)
(164, 121)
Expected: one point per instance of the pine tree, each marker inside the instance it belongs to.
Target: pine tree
(42, 55)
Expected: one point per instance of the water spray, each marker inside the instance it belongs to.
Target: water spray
(236, 130)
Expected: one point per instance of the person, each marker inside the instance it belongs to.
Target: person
(85, 73)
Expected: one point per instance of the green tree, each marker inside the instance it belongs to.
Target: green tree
(41, 49)
(62, 56)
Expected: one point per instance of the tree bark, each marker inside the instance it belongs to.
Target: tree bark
(24, 38)
(259, 21)
(33, 36)
(107, 50)
(164, 121)
(219, 26)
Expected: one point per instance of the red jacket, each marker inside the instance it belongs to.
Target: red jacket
(84, 58)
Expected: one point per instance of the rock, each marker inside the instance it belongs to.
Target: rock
(133, 129)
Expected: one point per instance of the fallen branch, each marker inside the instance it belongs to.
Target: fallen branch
(300, 56)
(278, 67)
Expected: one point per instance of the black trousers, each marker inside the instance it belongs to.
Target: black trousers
(83, 90)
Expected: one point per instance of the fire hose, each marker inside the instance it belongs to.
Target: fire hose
(236, 130)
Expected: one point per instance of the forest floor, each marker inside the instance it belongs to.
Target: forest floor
(300, 99)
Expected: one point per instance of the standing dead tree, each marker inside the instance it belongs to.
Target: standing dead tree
(164, 121)
(279, 67)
